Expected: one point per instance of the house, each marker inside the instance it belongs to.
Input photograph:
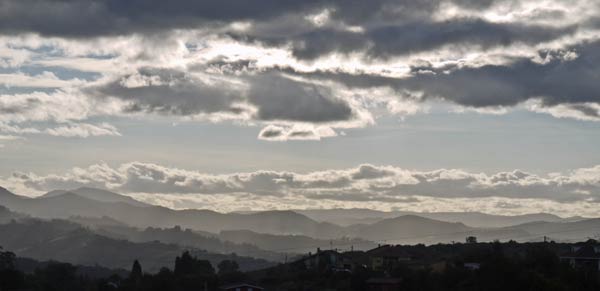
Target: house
(350, 261)
(387, 256)
(322, 260)
(383, 284)
(471, 240)
(583, 256)
(241, 287)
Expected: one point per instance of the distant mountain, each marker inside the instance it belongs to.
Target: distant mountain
(6, 215)
(407, 228)
(478, 219)
(68, 242)
(346, 217)
(413, 229)
(293, 243)
(8, 198)
(98, 222)
(381, 226)
(98, 195)
(67, 204)
(183, 237)
(561, 231)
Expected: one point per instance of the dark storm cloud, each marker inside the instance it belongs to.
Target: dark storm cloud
(393, 40)
(275, 97)
(281, 98)
(89, 18)
(384, 29)
(169, 92)
(559, 80)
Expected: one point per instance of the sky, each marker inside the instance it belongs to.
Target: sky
(450, 105)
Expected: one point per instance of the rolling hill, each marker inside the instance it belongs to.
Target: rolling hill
(67, 204)
(69, 242)
(346, 217)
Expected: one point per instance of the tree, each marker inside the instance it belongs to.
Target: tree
(58, 276)
(135, 277)
(7, 260)
(10, 278)
(136, 270)
(192, 273)
(228, 267)
(471, 240)
(188, 265)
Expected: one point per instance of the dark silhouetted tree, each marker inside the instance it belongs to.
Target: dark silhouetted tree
(188, 265)
(136, 275)
(194, 274)
(228, 267)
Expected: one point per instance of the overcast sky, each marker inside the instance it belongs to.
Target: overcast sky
(453, 105)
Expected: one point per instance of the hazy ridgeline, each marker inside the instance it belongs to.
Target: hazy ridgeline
(89, 226)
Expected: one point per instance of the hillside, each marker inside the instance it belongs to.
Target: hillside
(346, 217)
(66, 241)
(293, 243)
(67, 204)
(98, 195)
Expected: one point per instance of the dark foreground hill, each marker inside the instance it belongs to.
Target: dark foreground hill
(176, 235)
(69, 242)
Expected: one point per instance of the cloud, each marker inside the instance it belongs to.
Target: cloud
(280, 98)
(562, 77)
(58, 106)
(43, 80)
(295, 132)
(171, 92)
(364, 183)
(89, 18)
(298, 69)
(84, 130)
(396, 40)
(582, 111)
(57, 113)
(9, 138)
(270, 97)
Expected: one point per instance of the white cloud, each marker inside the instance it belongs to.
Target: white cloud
(268, 45)
(83, 130)
(9, 137)
(44, 80)
(364, 183)
(295, 132)
(580, 111)
(378, 187)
